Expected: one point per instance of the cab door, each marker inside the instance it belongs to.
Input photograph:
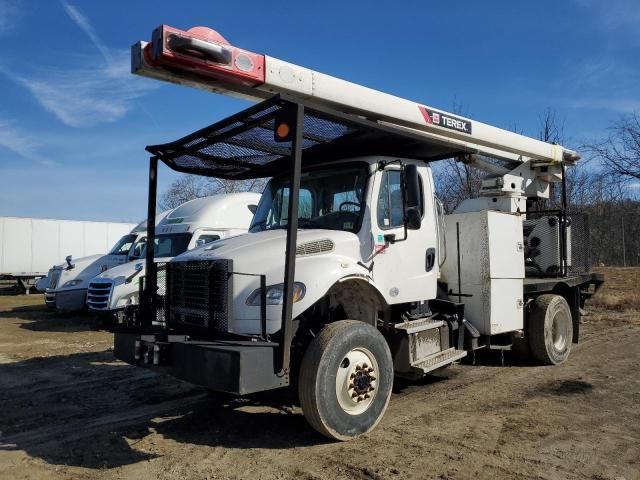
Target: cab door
(405, 262)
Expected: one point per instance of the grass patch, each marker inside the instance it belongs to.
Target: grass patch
(620, 290)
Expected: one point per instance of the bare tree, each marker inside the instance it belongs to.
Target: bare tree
(620, 152)
(551, 127)
(455, 180)
(551, 130)
(188, 187)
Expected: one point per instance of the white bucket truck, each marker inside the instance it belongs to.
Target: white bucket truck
(191, 225)
(351, 273)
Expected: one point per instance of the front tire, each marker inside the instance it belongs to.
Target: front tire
(346, 377)
(550, 329)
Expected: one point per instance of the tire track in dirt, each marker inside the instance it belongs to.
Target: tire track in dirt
(76, 430)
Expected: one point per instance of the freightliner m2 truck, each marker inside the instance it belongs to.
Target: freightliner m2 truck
(351, 274)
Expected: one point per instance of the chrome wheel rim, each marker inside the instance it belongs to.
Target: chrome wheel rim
(560, 330)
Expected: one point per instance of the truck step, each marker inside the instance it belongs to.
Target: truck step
(415, 326)
(439, 359)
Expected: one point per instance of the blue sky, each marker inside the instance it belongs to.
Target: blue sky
(74, 122)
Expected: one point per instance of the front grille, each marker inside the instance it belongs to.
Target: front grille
(98, 294)
(199, 294)
(54, 277)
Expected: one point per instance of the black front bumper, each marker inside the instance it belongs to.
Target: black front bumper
(238, 367)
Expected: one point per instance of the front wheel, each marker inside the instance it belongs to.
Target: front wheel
(346, 378)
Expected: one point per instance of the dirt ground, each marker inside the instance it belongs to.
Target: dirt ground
(69, 410)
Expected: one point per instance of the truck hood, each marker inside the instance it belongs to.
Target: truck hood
(252, 251)
(127, 269)
(323, 257)
(84, 269)
(81, 262)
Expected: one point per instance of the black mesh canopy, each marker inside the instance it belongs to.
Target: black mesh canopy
(243, 146)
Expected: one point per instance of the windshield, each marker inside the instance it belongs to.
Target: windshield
(124, 245)
(329, 198)
(166, 245)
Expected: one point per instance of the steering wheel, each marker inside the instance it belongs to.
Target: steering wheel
(348, 203)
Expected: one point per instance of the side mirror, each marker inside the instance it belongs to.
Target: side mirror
(69, 264)
(413, 218)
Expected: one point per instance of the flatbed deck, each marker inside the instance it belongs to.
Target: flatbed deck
(547, 284)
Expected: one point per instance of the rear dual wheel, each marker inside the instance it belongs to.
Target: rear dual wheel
(550, 329)
(346, 377)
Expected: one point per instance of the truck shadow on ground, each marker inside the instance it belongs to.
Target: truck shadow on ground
(497, 358)
(88, 410)
(39, 318)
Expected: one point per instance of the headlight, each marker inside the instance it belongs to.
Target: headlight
(275, 294)
(72, 283)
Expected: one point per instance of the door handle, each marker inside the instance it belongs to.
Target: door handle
(431, 259)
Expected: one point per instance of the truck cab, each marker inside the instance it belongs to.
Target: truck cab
(191, 225)
(351, 241)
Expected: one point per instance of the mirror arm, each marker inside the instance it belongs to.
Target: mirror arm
(130, 278)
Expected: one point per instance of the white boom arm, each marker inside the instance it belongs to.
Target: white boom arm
(203, 59)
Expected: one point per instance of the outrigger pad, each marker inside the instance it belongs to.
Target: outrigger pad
(244, 145)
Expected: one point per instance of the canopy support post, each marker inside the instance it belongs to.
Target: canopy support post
(292, 238)
(151, 276)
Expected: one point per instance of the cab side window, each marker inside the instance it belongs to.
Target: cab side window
(390, 214)
(207, 238)
(139, 248)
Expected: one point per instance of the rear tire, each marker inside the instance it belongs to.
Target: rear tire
(345, 379)
(550, 329)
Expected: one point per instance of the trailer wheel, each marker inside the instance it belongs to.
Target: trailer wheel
(550, 329)
(345, 379)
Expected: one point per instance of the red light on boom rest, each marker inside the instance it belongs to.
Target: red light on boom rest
(205, 52)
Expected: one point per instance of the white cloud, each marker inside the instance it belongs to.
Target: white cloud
(604, 84)
(93, 92)
(17, 141)
(618, 105)
(613, 14)
(87, 95)
(9, 13)
(82, 21)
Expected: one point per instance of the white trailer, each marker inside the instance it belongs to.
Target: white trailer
(29, 246)
(191, 225)
(351, 274)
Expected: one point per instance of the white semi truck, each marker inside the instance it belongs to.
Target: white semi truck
(29, 246)
(351, 273)
(191, 225)
(65, 285)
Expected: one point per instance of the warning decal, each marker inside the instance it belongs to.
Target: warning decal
(445, 120)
